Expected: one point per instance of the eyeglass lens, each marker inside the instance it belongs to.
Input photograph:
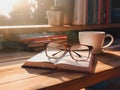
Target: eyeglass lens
(55, 50)
(79, 52)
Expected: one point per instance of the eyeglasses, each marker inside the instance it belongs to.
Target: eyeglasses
(78, 52)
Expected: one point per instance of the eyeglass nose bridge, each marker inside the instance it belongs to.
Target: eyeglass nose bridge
(67, 49)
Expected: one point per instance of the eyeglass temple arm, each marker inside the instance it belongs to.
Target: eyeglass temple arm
(81, 50)
(77, 54)
(56, 53)
(73, 51)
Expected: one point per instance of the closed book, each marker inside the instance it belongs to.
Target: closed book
(44, 42)
(31, 38)
(85, 11)
(90, 12)
(108, 11)
(99, 11)
(95, 12)
(104, 12)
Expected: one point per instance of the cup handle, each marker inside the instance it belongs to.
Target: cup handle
(112, 39)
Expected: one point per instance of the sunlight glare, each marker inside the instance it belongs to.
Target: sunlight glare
(6, 6)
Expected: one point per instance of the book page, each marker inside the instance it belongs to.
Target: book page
(70, 64)
(40, 60)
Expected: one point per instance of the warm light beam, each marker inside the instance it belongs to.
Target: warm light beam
(6, 6)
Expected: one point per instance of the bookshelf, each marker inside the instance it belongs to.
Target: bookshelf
(41, 28)
(11, 30)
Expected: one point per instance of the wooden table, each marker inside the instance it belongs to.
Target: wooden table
(14, 77)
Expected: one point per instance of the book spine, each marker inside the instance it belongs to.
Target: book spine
(99, 11)
(47, 38)
(108, 11)
(90, 12)
(102, 12)
(78, 13)
(96, 12)
(85, 9)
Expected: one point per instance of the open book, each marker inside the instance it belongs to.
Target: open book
(66, 63)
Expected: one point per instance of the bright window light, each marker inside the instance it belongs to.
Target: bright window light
(24, 12)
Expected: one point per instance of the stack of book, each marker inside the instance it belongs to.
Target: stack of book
(33, 42)
(36, 42)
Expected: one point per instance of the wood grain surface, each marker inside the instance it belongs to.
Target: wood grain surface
(14, 77)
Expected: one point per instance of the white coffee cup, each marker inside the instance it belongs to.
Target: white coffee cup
(95, 39)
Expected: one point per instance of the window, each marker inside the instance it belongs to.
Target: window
(20, 17)
(24, 12)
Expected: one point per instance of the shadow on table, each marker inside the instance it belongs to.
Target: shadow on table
(111, 59)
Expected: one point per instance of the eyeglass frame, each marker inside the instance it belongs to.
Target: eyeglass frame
(68, 49)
